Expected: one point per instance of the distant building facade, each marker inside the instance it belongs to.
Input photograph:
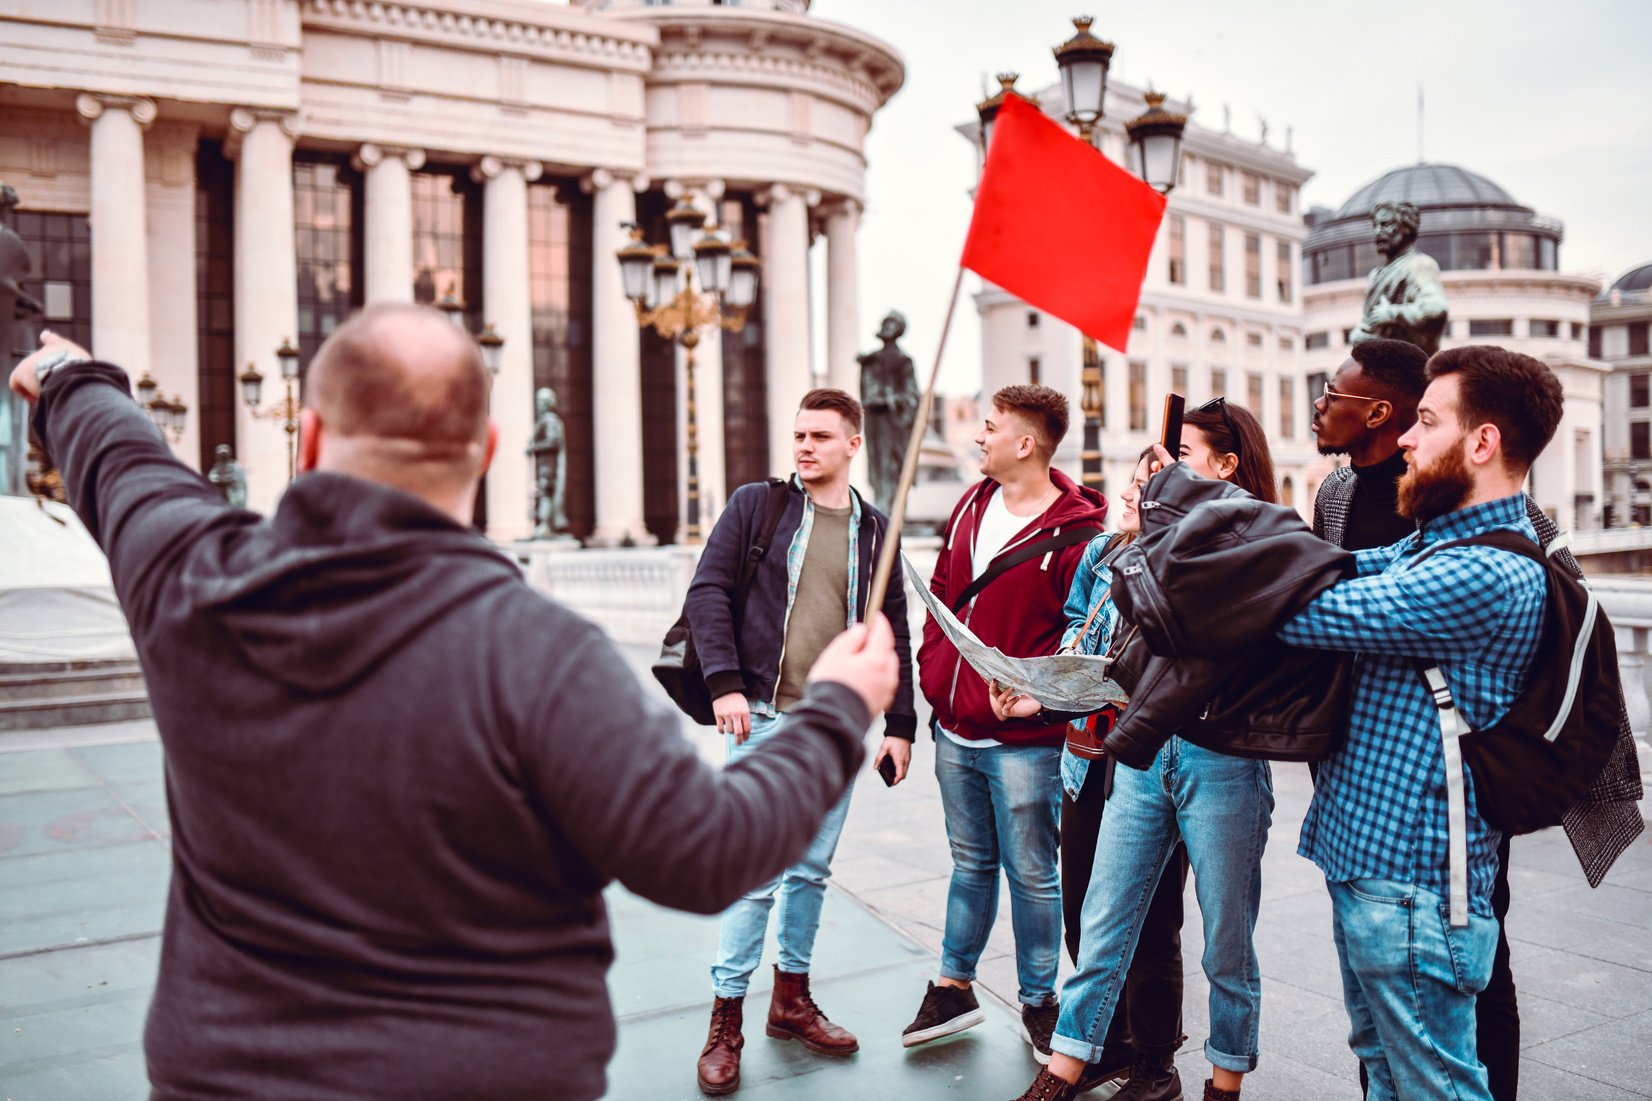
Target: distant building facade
(1620, 327)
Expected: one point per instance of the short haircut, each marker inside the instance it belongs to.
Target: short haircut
(1396, 365)
(1041, 407)
(363, 384)
(838, 401)
(1517, 393)
(1237, 432)
(1408, 215)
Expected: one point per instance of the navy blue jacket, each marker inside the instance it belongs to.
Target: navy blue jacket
(747, 659)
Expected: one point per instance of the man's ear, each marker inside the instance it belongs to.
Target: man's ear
(1485, 444)
(490, 447)
(854, 444)
(1025, 446)
(309, 439)
(1379, 414)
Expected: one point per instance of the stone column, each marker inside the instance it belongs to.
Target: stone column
(266, 287)
(843, 316)
(708, 388)
(785, 288)
(507, 305)
(171, 212)
(120, 235)
(388, 233)
(616, 357)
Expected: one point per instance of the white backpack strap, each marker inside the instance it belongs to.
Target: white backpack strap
(1452, 728)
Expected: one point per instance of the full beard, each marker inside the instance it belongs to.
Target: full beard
(1437, 489)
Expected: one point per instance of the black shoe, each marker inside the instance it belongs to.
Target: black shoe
(1152, 1082)
(1038, 1022)
(945, 1010)
(1105, 1079)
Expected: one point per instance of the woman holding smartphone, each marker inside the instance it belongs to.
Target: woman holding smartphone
(1218, 806)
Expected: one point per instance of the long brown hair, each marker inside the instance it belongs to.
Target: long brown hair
(1230, 429)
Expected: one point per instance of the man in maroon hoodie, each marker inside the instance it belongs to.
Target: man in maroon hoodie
(1000, 782)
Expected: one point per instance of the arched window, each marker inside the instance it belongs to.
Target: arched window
(1179, 330)
(1218, 336)
(1287, 491)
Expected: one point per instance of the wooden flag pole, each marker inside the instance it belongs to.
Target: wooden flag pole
(909, 466)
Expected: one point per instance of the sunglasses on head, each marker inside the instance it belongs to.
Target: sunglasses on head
(1220, 405)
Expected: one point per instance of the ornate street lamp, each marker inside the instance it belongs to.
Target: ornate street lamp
(661, 283)
(988, 108)
(283, 412)
(1155, 138)
(493, 348)
(452, 306)
(169, 416)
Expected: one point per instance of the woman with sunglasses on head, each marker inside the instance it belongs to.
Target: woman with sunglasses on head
(1218, 806)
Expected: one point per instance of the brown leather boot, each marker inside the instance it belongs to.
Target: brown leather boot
(793, 1015)
(719, 1066)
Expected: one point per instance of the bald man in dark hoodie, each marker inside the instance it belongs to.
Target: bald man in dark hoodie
(398, 778)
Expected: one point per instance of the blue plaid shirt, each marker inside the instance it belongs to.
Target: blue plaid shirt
(1379, 806)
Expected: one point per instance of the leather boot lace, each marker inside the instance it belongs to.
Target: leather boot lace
(722, 1023)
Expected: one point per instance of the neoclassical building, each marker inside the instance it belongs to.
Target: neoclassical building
(1220, 310)
(1500, 263)
(202, 180)
(1619, 331)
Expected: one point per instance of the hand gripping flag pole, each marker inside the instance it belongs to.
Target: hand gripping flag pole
(1062, 228)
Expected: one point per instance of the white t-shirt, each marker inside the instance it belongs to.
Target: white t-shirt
(998, 526)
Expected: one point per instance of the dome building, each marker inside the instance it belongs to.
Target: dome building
(1500, 263)
(204, 180)
(1619, 324)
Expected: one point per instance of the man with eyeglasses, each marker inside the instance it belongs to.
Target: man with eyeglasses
(1366, 407)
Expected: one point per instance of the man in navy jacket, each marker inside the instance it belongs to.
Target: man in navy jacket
(810, 585)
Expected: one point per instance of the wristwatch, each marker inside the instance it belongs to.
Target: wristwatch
(61, 357)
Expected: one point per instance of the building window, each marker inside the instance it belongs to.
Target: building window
(1032, 319)
(1218, 381)
(1287, 407)
(1254, 338)
(1287, 344)
(559, 299)
(1594, 342)
(216, 392)
(1640, 440)
(1347, 336)
(1545, 328)
(1253, 265)
(1637, 338)
(447, 240)
(1138, 396)
(1639, 390)
(1284, 195)
(1178, 379)
(1287, 492)
(1213, 178)
(1315, 341)
(1218, 264)
(1034, 374)
(1179, 331)
(327, 220)
(1178, 250)
(1519, 251)
(1253, 393)
(60, 273)
(1287, 272)
(1577, 330)
(1253, 189)
(1316, 386)
(1218, 335)
(1548, 256)
(1140, 323)
(1490, 326)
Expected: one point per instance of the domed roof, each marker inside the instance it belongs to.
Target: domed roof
(1427, 185)
(1635, 279)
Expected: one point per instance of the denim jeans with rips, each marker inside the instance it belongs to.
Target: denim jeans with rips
(801, 890)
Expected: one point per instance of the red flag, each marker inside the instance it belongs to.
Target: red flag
(1060, 226)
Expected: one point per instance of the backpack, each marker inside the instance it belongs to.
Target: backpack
(678, 666)
(1539, 759)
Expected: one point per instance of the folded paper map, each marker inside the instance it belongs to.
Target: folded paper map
(1061, 682)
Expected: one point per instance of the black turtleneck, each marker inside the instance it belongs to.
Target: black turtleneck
(1373, 514)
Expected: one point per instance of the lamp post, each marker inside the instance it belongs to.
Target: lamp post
(285, 411)
(678, 289)
(1155, 140)
(169, 416)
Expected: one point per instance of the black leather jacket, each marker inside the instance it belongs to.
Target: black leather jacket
(1201, 594)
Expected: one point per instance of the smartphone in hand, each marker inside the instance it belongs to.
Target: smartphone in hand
(1170, 436)
(886, 769)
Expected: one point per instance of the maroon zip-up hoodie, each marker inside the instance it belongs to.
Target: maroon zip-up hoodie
(1020, 611)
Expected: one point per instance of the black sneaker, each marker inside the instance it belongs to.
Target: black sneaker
(1038, 1022)
(1102, 1080)
(945, 1010)
(1152, 1081)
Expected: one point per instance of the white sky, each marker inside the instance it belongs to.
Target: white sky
(1553, 101)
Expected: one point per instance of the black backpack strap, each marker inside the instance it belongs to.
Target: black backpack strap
(1031, 550)
(1505, 539)
(774, 506)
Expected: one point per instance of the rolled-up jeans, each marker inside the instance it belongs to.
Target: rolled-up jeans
(1409, 982)
(801, 890)
(1003, 808)
(1220, 807)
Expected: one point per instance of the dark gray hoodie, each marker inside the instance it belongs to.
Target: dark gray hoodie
(399, 780)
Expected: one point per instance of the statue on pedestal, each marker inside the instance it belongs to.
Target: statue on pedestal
(15, 306)
(549, 448)
(1404, 299)
(228, 477)
(889, 395)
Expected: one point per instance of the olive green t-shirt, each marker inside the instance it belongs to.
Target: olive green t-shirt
(821, 609)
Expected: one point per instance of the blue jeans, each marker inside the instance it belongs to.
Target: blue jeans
(1409, 980)
(800, 888)
(1221, 807)
(1003, 809)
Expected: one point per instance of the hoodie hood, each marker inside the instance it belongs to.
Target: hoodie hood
(1076, 504)
(321, 592)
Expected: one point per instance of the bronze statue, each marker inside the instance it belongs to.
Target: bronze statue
(15, 306)
(889, 394)
(228, 477)
(549, 448)
(1404, 299)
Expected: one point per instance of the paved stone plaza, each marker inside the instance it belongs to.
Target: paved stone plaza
(83, 866)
